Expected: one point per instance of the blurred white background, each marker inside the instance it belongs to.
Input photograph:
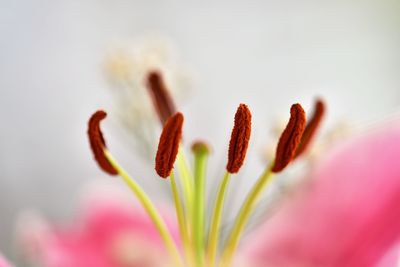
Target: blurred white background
(268, 54)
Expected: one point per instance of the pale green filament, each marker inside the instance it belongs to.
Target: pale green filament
(187, 183)
(243, 217)
(213, 237)
(198, 222)
(150, 209)
(183, 229)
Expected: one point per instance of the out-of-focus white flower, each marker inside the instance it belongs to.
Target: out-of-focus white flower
(126, 69)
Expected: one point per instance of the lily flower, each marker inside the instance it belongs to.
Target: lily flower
(347, 213)
(199, 246)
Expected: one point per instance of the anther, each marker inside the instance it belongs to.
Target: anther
(312, 127)
(97, 142)
(162, 100)
(239, 139)
(290, 138)
(168, 145)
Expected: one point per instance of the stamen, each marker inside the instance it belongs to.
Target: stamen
(97, 142)
(185, 174)
(290, 138)
(237, 152)
(110, 165)
(150, 209)
(243, 217)
(239, 139)
(165, 108)
(214, 234)
(287, 146)
(160, 96)
(183, 229)
(311, 127)
(169, 145)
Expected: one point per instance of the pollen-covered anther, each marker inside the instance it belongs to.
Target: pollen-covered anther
(312, 126)
(168, 145)
(239, 139)
(161, 98)
(97, 142)
(290, 138)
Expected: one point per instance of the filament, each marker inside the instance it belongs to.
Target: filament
(246, 211)
(150, 209)
(214, 233)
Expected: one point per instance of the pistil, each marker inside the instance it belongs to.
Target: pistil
(201, 152)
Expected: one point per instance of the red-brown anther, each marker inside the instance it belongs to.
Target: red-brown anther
(311, 127)
(162, 100)
(97, 142)
(239, 139)
(169, 145)
(290, 138)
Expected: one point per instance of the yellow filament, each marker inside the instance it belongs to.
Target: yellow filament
(183, 229)
(243, 217)
(187, 183)
(216, 221)
(150, 209)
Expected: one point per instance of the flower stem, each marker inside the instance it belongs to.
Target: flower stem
(150, 209)
(216, 220)
(198, 222)
(243, 217)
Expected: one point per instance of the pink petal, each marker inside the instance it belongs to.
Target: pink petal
(99, 236)
(348, 215)
(106, 219)
(3, 262)
(392, 257)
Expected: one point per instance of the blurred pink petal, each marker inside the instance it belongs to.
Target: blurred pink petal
(348, 215)
(3, 262)
(109, 234)
(392, 257)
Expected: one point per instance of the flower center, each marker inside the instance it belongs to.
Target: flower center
(200, 248)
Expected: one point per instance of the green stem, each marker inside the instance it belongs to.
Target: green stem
(214, 233)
